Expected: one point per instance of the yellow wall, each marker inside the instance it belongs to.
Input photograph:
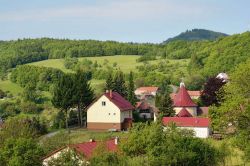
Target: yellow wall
(109, 113)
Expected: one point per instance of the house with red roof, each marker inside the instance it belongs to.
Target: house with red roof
(145, 110)
(111, 112)
(83, 150)
(200, 126)
(145, 92)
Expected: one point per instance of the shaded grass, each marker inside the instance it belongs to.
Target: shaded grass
(13, 88)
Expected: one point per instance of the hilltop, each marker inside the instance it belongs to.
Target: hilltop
(197, 34)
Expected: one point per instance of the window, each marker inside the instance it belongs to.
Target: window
(103, 103)
(113, 113)
(109, 113)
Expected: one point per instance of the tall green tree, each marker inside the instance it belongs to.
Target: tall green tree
(119, 83)
(131, 88)
(83, 94)
(63, 95)
(109, 82)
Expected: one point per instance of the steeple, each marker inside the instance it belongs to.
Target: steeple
(182, 98)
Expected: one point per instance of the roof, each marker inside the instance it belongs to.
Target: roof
(142, 105)
(119, 101)
(184, 113)
(182, 98)
(194, 93)
(187, 121)
(148, 89)
(87, 148)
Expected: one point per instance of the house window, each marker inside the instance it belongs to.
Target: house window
(109, 113)
(113, 113)
(103, 103)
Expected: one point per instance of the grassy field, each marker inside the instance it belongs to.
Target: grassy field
(13, 88)
(126, 63)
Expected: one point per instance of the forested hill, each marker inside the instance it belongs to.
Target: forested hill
(197, 34)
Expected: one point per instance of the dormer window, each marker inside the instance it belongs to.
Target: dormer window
(103, 103)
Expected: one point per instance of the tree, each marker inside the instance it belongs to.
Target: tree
(119, 83)
(164, 102)
(30, 93)
(211, 90)
(83, 94)
(109, 82)
(63, 95)
(21, 152)
(131, 88)
(67, 158)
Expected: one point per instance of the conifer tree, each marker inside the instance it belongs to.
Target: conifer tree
(109, 82)
(119, 83)
(83, 94)
(131, 87)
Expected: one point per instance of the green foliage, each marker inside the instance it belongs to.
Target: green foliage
(131, 88)
(70, 63)
(171, 147)
(36, 77)
(67, 158)
(234, 109)
(197, 34)
(2, 94)
(21, 152)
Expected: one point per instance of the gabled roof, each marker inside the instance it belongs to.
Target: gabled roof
(142, 105)
(119, 101)
(182, 98)
(148, 89)
(87, 148)
(187, 121)
(184, 113)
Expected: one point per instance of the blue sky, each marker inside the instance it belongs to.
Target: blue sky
(120, 20)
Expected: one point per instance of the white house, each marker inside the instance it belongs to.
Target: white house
(200, 126)
(110, 112)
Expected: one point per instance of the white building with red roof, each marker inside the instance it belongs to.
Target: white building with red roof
(182, 102)
(200, 126)
(83, 150)
(110, 112)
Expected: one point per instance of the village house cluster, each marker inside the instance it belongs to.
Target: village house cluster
(112, 112)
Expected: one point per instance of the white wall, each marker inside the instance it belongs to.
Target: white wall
(109, 113)
(126, 114)
(200, 132)
(148, 115)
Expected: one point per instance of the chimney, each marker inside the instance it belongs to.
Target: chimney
(116, 140)
(110, 93)
(91, 140)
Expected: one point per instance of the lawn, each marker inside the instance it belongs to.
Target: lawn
(126, 63)
(13, 88)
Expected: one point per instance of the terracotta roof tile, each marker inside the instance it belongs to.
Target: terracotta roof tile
(187, 121)
(119, 101)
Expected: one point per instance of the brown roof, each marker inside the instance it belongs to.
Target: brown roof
(182, 98)
(142, 105)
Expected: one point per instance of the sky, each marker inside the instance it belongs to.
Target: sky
(121, 20)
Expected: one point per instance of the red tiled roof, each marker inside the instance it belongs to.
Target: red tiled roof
(194, 93)
(148, 89)
(184, 113)
(182, 98)
(119, 101)
(142, 105)
(87, 148)
(187, 121)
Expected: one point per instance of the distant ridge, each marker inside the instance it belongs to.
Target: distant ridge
(197, 34)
